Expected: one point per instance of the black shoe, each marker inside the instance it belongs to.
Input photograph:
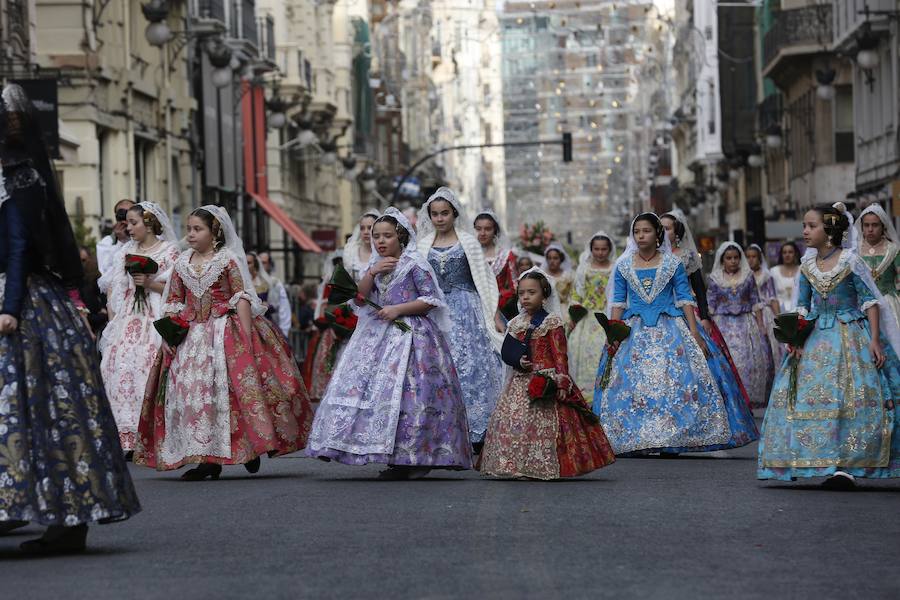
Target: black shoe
(202, 471)
(58, 540)
(8, 526)
(253, 465)
(129, 456)
(477, 447)
(394, 473)
(840, 481)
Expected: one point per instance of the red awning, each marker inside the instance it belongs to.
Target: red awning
(287, 223)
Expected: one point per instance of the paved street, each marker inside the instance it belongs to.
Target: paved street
(694, 527)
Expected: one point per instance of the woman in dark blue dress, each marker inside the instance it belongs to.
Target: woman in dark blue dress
(61, 464)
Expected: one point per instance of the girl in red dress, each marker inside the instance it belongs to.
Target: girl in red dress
(231, 391)
(500, 258)
(541, 439)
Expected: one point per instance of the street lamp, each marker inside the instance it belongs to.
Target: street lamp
(329, 152)
(774, 138)
(755, 159)
(277, 118)
(825, 80)
(158, 32)
(368, 179)
(867, 57)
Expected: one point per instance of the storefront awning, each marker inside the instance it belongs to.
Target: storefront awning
(287, 223)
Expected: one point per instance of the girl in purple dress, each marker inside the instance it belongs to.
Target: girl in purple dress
(395, 396)
(737, 310)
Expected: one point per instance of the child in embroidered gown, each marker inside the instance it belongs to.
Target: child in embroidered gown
(736, 308)
(544, 440)
(587, 339)
(661, 394)
(785, 275)
(500, 258)
(878, 247)
(765, 286)
(558, 267)
(130, 343)
(472, 299)
(231, 391)
(395, 397)
(841, 421)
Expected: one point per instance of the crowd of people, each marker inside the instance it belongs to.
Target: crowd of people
(464, 352)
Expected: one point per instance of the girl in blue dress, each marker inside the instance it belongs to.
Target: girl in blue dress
(842, 422)
(662, 395)
(472, 297)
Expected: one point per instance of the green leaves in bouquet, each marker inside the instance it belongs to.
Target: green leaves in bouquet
(577, 313)
(172, 329)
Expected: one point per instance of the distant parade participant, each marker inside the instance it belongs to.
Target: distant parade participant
(737, 310)
(737, 401)
(472, 297)
(841, 420)
(878, 247)
(130, 343)
(358, 249)
(61, 464)
(324, 346)
(768, 297)
(662, 395)
(500, 257)
(523, 263)
(558, 267)
(110, 245)
(786, 276)
(395, 397)
(231, 391)
(587, 339)
(278, 297)
(546, 439)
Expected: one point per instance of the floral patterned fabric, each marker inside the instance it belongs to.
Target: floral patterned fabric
(60, 458)
(586, 341)
(129, 343)
(477, 364)
(733, 309)
(765, 286)
(395, 397)
(225, 397)
(546, 440)
(841, 419)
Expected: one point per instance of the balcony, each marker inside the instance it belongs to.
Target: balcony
(796, 35)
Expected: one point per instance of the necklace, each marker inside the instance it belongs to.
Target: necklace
(874, 249)
(822, 259)
(648, 260)
(149, 249)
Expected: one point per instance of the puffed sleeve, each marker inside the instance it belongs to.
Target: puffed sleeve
(804, 297)
(235, 284)
(620, 291)
(17, 245)
(175, 299)
(864, 296)
(683, 294)
(426, 287)
(699, 288)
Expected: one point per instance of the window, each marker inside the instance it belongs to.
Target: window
(844, 142)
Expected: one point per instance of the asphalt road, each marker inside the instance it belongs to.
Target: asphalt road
(692, 527)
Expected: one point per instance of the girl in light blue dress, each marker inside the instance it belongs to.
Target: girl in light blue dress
(472, 296)
(662, 395)
(842, 421)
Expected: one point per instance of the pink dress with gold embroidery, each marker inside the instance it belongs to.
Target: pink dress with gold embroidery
(225, 397)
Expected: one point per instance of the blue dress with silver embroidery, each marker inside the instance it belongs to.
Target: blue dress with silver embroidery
(662, 394)
(479, 366)
(845, 412)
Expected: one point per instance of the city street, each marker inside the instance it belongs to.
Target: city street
(692, 527)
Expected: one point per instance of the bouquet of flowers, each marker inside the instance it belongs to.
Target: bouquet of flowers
(343, 322)
(509, 304)
(542, 388)
(172, 329)
(577, 313)
(342, 288)
(793, 330)
(535, 238)
(616, 331)
(135, 264)
(322, 323)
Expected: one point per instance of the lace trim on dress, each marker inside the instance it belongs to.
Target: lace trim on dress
(886, 261)
(173, 307)
(664, 272)
(823, 281)
(620, 304)
(521, 323)
(867, 305)
(683, 303)
(198, 284)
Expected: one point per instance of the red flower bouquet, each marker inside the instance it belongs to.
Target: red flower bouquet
(322, 323)
(342, 288)
(172, 329)
(793, 330)
(508, 304)
(542, 388)
(343, 322)
(135, 264)
(616, 331)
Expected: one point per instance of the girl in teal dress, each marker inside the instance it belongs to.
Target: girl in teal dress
(842, 423)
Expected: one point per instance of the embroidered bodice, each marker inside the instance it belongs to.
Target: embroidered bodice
(208, 291)
(452, 268)
(838, 294)
(564, 282)
(594, 292)
(649, 293)
(735, 299)
(885, 269)
(412, 284)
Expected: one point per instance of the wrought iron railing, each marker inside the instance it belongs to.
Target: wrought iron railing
(809, 26)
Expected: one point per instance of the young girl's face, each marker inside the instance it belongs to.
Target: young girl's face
(814, 234)
(524, 264)
(199, 235)
(644, 235)
(731, 260)
(365, 230)
(530, 295)
(753, 259)
(788, 255)
(600, 250)
(441, 213)
(251, 264)
(135, 226)
(554, 261)
(484, 230)
(873, 229)
(387, 243)
(668, 224)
